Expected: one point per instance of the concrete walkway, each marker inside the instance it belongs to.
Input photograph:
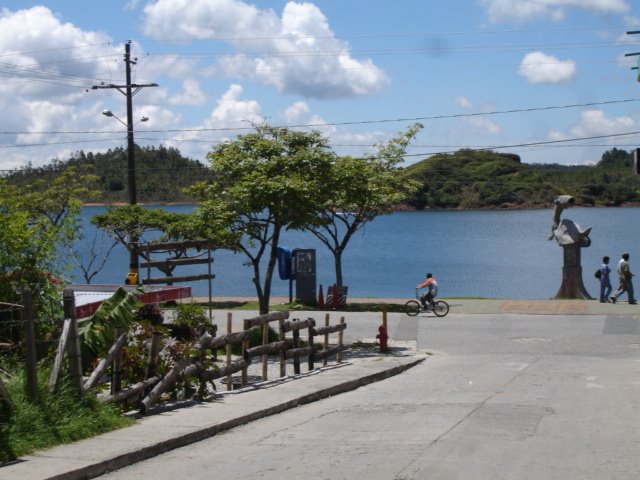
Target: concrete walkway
(159, 433)
(153, 435)
(485, 305)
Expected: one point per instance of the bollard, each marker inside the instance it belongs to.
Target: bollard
(383, 337)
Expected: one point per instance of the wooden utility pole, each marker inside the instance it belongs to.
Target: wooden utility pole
(129, 90)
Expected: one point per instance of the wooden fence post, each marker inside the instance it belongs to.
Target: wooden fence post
(296, 344)
(93, 380)
(228, 348)
(283, 356)
(340, 342)
(75, 360)
(245, 347)
(30, 344)
(154, 351)
(265, 357)
(62, 348)
(326, 340)
(310, 357)
(116, 373)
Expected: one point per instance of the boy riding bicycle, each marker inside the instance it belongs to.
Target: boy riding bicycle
(432, 290)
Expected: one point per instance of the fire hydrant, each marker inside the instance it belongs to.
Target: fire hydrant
(383, 337)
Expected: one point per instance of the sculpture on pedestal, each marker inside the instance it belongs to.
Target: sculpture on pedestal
(571, 238)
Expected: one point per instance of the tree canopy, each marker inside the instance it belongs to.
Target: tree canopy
(362, 188)
(36, 222)
(263, 182)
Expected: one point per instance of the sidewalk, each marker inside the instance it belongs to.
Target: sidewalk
(159, 433)
(480, 306)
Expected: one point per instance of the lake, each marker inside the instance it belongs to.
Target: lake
(492, 254)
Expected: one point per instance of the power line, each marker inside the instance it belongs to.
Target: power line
(403, 34)
(355, 122)
(545, 144)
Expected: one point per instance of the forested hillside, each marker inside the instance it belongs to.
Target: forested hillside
(161, 173)
(470, 179)
(466, 179)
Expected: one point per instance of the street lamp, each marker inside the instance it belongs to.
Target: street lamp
(134, 264)
(109, 113)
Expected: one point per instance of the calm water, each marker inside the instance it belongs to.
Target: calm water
(499, 254)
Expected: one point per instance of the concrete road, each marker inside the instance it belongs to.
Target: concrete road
(502, 396)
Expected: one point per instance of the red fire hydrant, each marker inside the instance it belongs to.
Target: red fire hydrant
(383, 337)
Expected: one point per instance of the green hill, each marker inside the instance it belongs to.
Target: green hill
(466, 179)
(161, 173)
(471, 179)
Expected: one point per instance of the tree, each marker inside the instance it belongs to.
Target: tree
(39, 218)
(38, 222)
(264, 182)
(158, 225)
(362, 189)
(96, 254)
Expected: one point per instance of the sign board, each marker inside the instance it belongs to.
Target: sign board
(284, 264)
(304, 269)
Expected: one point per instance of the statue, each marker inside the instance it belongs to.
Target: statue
(571, 237)
(567, 232)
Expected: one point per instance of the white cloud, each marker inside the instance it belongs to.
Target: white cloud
(463, 102)
(191, 94)
(54, 64)
(529, 10)
(484, 125)
(132, 5)
(232, 110)
(538, 67)
(300, 54)
(595, 122)
(173, 66)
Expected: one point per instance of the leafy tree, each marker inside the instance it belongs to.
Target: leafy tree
(362, 189)
(264, 182)
(158, 225)
(37, 222)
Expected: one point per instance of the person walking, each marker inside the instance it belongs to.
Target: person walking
(605, 280)
(624, 280)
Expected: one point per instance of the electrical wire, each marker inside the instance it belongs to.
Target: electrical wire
(356, 122)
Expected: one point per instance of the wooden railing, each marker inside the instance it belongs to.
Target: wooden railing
(153, 385)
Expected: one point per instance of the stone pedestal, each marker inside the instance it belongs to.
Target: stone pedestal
(572, 286)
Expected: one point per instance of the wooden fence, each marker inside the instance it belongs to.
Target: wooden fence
(150, 389)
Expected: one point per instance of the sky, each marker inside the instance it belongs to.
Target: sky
(545, 79)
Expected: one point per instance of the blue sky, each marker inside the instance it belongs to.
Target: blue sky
(546, 79)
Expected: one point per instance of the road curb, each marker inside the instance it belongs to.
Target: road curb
(124, 460)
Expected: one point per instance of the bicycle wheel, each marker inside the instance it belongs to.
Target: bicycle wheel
(440, 308)
(412, 308)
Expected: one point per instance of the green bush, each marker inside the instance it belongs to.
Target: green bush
(55, 418)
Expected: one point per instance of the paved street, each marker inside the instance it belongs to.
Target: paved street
(500, 396)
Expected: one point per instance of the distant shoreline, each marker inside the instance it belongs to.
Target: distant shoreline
(399, 208)
(124, 204)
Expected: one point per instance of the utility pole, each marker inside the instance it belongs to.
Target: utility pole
(636, 151)
(129, 90)
(637, 67)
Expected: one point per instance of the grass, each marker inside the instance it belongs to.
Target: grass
(55, 419)
(351, 307)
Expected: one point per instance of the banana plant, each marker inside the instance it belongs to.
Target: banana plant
(97, 333)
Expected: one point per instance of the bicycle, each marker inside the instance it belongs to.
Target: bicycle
(413, 307)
